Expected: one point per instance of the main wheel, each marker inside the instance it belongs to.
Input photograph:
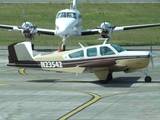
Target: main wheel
(109, 77)
(148, 79)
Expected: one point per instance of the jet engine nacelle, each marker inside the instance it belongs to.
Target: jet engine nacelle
(105, 29)
(28, 30)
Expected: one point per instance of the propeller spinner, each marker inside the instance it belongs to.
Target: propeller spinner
(28, 30)
(106, 29)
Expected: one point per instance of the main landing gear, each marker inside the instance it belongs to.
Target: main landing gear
(109, 78)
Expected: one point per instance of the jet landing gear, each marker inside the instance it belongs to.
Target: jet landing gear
(63, 47)
(32, 46)
(109, 78)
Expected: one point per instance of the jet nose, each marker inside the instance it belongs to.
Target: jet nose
(64, 26)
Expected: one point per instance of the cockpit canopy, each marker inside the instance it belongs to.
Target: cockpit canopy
(66, 15)
(99, 51)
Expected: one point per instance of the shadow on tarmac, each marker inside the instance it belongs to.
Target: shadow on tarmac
(116, 82)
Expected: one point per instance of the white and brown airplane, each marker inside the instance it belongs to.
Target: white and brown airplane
(102, 60)
(68, 22)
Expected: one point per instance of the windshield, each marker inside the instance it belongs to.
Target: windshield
(66, 15)
(118, 48)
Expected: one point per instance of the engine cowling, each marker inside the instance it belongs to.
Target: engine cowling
(105, 29)
(28, 30)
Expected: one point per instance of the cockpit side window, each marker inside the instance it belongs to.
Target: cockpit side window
(92, 52)
(106, 51)
(77, 54)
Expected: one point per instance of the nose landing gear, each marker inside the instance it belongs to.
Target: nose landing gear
(147, 78)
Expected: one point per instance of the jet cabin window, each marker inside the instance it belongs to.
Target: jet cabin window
(106, 51)
(66, 15)
(77, 54)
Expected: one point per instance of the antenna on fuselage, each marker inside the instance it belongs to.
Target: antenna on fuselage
(80, 44)
(106, 41)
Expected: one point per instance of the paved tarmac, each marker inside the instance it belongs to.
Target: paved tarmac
(43, 95)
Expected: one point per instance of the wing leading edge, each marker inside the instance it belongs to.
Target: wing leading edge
(120, 28)
(132, 27)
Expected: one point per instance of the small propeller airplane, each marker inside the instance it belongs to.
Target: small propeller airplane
(68, 23)
(102, 60)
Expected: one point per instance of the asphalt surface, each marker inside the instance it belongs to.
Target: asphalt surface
(43, 95)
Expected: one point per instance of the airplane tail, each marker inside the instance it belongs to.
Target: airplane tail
(20, 52)
(74, 4)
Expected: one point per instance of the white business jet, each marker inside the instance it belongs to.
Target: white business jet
(69, 23)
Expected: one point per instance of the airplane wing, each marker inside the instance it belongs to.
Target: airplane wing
(121, 28)
(89, 32)
(45, 31)
(19, 28)
(10, 27)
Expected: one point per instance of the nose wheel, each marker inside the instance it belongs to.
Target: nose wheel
(148, 79)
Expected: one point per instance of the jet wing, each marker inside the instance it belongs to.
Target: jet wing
(19, 28)
(89, 32)
(10, 27)
(121, 28)
(45, 31)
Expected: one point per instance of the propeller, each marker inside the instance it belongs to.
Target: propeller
(151, 55)
(28, 29)
(105, 29)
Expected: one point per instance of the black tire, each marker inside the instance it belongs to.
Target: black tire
(109, 77)
(148, 79)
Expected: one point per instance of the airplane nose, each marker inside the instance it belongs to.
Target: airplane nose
(63, 27)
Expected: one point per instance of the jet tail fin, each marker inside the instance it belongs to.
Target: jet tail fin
(20, 52)
(74, 4)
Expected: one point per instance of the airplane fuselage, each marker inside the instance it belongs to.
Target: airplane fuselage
(115, 58)
(102, 60)
(68, 22)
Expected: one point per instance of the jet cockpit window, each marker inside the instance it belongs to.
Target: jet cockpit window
(92, 52)
(106, 51)
(118, 48)
(66, 15)
(71, 15)
(61, 15)
(77, 54)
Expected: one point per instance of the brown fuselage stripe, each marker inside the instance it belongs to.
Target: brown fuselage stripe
(98, 62)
